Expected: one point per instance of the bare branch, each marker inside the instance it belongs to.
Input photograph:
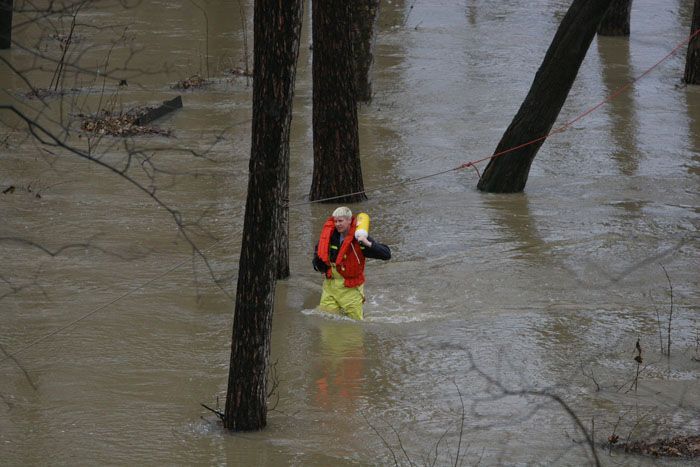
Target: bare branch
(545, 394)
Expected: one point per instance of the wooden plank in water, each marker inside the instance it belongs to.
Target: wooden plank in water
(166, 108)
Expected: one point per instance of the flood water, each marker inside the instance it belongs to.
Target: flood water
(546, 291)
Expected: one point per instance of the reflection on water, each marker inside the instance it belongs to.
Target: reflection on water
(512, 213)
(614, 55)
(693, 109)
(339, 374)
(535, 286)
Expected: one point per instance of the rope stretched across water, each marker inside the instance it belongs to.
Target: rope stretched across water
(469, 164)
(560, 129)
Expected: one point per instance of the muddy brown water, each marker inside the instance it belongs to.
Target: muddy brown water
(546, 290)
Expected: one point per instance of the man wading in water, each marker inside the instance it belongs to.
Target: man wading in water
(341, 257)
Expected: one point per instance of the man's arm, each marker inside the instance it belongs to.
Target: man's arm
(373, 249)
(318, 264)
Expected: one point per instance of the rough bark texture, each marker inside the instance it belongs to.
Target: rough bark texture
(508, 173)
(364, 14)
(277, 26)
(692, 60)
(337, 170)
(5, 24)
(616, 21)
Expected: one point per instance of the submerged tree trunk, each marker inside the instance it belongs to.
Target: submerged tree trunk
(616, 21)
(508, 173)
(337, 170)
(692, 59)
(277, 27)
(364, 14)
(5, 24)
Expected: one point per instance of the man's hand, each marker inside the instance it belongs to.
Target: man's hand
(363, 240)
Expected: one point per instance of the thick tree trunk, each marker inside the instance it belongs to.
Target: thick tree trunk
(337, 170)
(616, 21)
(364, 14)
(692, 59)
(508, 173)
(5, 24)
(277, 28)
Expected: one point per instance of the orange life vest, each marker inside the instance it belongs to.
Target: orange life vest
(350, 262)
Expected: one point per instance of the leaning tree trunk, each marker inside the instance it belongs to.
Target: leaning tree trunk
(616, 21)
(5, 24)
(508, 173)
(364, 14)
(692, 59)
(277, 26)
(337, 170)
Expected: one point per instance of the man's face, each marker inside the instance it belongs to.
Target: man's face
(342, 224)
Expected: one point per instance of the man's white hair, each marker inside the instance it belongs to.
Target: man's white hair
(342, 211)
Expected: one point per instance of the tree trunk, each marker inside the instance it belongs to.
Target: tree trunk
(277, 27)
(364, 14)
(337, 170)
(508, 173)
(5, 24)
(692, 59)
(616, 21)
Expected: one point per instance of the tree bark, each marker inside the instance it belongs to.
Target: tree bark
(508, 173)
(692, 59)
(277, 26)
(364, 14)
(337, 170)
(616, 21)
(5, 24)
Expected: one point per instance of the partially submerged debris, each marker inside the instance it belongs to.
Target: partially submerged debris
(194, 81)
(11, 189)
(679, 446)
(64, 38)
(239, 72)
(41, 93)
(157, 112)
(116, 124)
(130, 123)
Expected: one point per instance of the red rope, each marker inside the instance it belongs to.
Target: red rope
(559, 129)
(568, 124)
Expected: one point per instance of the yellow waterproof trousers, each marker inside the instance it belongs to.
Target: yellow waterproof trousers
(341, 300)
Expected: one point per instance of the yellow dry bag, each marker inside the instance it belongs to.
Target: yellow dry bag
(362, 228)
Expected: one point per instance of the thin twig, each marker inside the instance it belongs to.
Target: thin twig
(19, 365)
(206, 33)
(590, 376)
(658, 323)
(218, 413)
(244, 25)
(670, 314)
(58, 72)
(531, 392)
(388, 446)
(461, 425)
(398, 437)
